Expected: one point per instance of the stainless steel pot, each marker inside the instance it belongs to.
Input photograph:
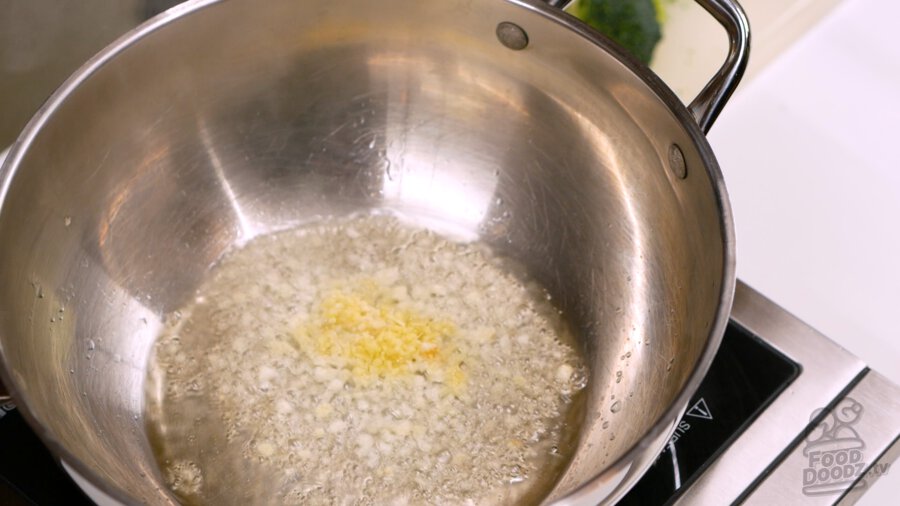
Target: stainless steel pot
(503, 120)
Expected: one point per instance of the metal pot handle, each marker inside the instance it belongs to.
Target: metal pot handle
(712, 98)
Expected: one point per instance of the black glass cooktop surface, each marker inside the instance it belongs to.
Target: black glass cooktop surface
(29, 475)
(746, 375)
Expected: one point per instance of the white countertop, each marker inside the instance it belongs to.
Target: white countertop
(811, 157)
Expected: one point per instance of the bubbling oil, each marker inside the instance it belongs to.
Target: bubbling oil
(364, 361)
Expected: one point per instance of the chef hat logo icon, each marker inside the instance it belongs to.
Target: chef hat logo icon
(835, 431)
(834, 451)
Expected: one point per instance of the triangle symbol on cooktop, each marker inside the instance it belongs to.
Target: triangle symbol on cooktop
(700, 410)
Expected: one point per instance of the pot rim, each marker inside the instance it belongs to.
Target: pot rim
(587, 492)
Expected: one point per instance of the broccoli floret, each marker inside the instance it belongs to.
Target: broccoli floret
(634, 24)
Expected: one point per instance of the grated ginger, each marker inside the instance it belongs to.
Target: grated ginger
(375, 336)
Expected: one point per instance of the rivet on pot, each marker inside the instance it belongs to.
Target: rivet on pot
(512, 36)
(676, 161)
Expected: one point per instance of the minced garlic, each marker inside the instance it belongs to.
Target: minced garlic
(363, 362)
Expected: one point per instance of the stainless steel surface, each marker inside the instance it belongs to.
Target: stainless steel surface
(512, 36)
(184, 139)
(676, 162)
(560, 4)
(827, 370)
(879, 468)
(43, 41)
(853, 446)
(708, 104)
